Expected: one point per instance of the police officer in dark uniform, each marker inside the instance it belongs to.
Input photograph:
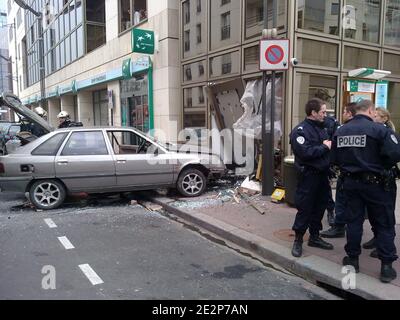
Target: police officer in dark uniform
(365, 152)
(331, 125)
(311, 147)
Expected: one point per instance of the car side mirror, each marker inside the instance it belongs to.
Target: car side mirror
(156, 152)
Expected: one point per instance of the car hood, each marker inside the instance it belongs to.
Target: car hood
(12, 101)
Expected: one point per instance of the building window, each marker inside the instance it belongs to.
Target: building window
(392, 62)
(19, 17)
(355, 58)
(198, 28)
(317, 53)
(188, 73)
(132, 12)
(186, 11)
(223, 2)
(201, 69)
(225, 26)
(95, 25)
(392, 23)
(314, 16)
(310, 86)
(100, 108)
(361, 20)
(227, 64)
(194, 108)
(198, 7)
(187, 40)
(252, 58)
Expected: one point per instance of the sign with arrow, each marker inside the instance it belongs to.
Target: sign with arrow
(143, 41)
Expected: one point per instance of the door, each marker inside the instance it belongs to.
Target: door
(85, 163)
(138, 161)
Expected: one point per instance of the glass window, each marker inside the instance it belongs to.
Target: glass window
(79, 14)
(95, 11)
(96, 36)
(317, 16)
(67, 50)
(194, 107)
(79, 38)
(73, 46)
(194, 24)
(227, 64)
(226, 30)
(132, 12)
(127, 142)
(360, 58)
(392, 23)
(317, 53)
(50, 146)
(194, 71)
(392, 62)
(360, 20)
(394, 103)
(254, 16)
(252, 58)
(309, 86)
(85, 144)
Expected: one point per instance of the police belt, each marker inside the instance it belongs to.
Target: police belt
(364, 177)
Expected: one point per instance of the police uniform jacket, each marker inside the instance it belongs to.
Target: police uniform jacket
(308, 148)
(363, 146)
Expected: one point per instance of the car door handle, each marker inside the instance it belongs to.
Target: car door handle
(121, 161)
(61, 162)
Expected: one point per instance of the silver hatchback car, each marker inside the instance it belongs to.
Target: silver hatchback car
(99, 160)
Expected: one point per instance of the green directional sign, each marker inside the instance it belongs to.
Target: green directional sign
(142, 41)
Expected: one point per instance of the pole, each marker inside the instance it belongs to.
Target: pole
(16, 56)
(41, 62)
(267, 137)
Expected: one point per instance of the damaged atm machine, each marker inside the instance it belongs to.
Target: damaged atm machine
(236, 112)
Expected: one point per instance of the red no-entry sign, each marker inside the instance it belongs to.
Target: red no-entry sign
(274, 54)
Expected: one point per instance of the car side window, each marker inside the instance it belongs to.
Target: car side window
(127, 142)
(50, 146)
(85, 143)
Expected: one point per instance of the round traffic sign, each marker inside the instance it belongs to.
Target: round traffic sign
(274, 54)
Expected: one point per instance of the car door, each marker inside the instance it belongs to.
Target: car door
(85, 163)
(139, 168)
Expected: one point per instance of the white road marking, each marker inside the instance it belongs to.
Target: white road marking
(91, 274)
(66, 243)
(50, 223)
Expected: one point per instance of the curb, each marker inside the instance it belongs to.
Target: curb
(312, 268)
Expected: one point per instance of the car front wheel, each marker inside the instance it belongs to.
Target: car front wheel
(47, 194)
(191, 183)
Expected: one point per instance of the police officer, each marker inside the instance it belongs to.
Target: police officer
(311, 148)
(63, 118)
(365, 151)
(331, 125)
(338, 228)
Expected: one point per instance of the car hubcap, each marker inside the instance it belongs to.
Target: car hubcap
(192, 183)
(47, 194)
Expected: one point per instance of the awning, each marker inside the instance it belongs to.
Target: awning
(369, 73)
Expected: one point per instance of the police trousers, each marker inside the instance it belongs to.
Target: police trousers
(380, 204)
(311, 200)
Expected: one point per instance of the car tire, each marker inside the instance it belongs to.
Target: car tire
(47, 194)
(191, 183)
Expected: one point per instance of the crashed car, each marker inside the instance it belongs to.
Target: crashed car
(99, 160)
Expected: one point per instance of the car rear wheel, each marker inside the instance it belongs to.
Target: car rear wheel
(47, 194)
(191, 183)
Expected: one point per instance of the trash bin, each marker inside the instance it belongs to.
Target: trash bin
(289, 179)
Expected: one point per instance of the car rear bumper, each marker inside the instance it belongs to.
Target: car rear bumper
(14, 184)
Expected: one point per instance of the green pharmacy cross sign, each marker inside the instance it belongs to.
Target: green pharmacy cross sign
(142, 41)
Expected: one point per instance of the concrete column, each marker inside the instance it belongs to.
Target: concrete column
(67, 104)
(85, 108)
(54, 110)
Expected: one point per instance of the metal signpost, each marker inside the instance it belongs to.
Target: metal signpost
(274, 55)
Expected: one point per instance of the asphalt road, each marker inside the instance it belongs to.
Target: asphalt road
(117, 251)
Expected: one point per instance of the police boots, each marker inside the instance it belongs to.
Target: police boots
(387, 273)
(297, 249)
(352, 261)
(317, 242)
(334, 232)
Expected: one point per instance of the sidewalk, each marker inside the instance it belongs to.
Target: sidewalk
(271, 237)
